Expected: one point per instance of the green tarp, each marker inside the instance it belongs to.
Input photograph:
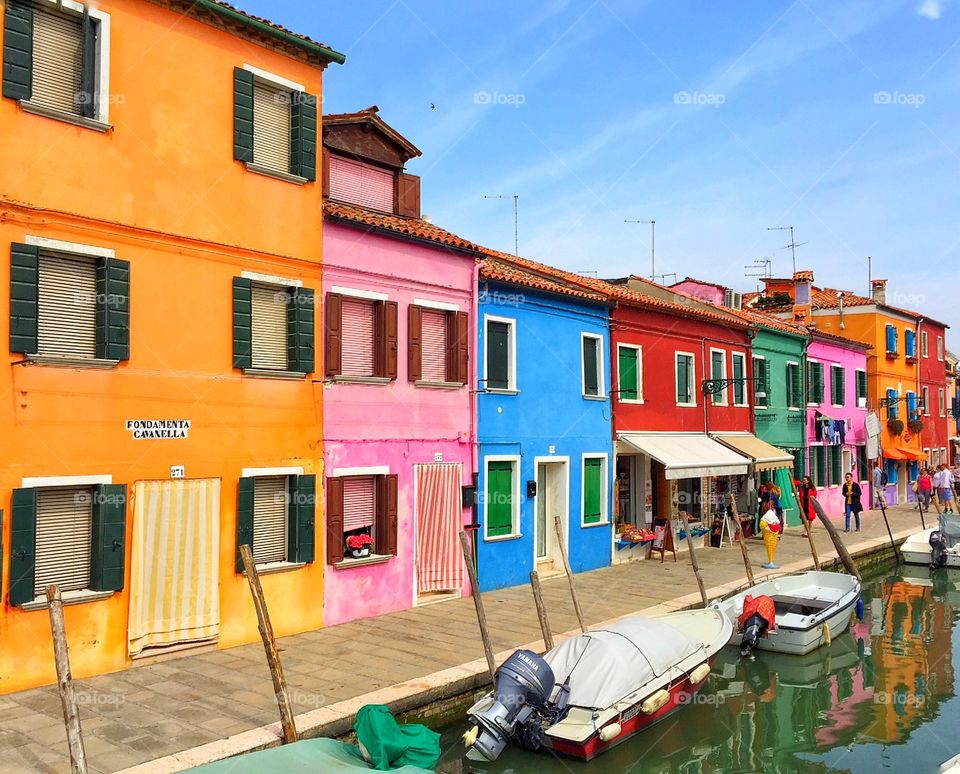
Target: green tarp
(389, 744)
(784, 480)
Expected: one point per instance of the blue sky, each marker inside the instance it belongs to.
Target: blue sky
(715, 119)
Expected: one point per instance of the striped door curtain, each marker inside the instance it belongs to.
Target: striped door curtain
(433, 327)
(358, 337)
(439, 561)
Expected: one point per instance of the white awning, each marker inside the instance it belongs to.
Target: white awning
(764, 455)
(687, 455)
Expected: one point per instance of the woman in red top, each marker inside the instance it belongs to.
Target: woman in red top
(925, 488)
(805, 491)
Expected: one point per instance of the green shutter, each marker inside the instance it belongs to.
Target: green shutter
(498, 356)
(837, 385)
(592, 490)
(244, 517)
(23, 546)
(863, 466)
(716, 372)
(738, 383)
(24, 291)
(499, 498)
(113, 309)
(300, 331)
(820, 458)
(109, 537)
(242, 323)
(591, 376)
(819, 384)
(836, 474)
(861, 386)
(242, 114)
(88, 67)
(627, 373)
(799, 463)
(683, 379)
(301, 518)
(18, 51)
(303, 136)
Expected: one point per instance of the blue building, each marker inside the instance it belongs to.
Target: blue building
(544, 424)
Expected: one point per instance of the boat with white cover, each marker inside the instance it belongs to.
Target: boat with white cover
(811, 608)
(597, 689)
(938, 547)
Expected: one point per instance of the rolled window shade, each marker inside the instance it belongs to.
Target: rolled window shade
(359, 502)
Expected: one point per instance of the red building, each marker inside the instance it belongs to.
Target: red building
(932, 360)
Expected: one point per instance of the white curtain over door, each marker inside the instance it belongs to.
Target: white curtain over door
(439, 560)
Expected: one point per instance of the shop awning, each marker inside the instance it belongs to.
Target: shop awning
(764, 455)
(687, 455)
(912, 454)
(894, 454)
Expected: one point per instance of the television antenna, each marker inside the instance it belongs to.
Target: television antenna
(761, 267)
(793, 242)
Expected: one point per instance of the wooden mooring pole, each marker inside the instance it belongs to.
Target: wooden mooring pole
(893, 543)
(743, 541)
(541, 610)
(68, 699)
(478, 604)
(566, 566)
(837, 542)
(287, 723)
(696, 567)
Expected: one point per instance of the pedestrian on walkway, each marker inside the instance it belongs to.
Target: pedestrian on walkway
(878, 482)
(851, 501)
(777, 505)
(924, 489)
(805, 492)
(937, 483)
(946, 489)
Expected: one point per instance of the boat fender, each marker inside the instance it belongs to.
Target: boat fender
(859, 608)
(655, 701)
(611, 731)
(699, 674)
(827, 639)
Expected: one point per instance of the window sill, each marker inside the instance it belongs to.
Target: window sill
(346, 564)
(501, 391)
(502, 538)
(69, 598)
(604, 523)
(598, 398)
(61, 115)
(70, 361)
(267, 373)
(631, 401)
(363, 379)
(694, 405)
(272, 567)
(275, 173)
(438, 385)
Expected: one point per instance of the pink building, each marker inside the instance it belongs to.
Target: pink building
(836, 418)
(399, 313)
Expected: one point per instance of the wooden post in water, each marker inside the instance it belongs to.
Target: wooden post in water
(541, 610)
(837, 542)
(742, 541)
(478, 604)
(808, 527)
(696, 567)
(68, 699)
(883, 510)
(287, 723)
(566, 566)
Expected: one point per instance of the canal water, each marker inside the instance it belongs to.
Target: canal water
(883, 696)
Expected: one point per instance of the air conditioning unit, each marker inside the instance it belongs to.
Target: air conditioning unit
(732, 299)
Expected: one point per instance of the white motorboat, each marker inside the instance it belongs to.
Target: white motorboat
(938, 547)
(810, 609)
(597, 689)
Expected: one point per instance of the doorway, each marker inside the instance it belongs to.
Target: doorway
(550, 501)
(438, 563)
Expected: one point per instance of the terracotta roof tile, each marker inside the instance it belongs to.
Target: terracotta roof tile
(415, 228)
(495, 269)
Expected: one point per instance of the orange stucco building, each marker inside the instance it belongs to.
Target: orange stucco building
(161, 230)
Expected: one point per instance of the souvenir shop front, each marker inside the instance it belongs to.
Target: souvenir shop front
(768, 464)
(664, 477)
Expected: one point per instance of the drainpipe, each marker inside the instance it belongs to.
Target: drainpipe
(706, 398)
(919, 392)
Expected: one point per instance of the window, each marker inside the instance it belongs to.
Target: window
(718, 370)
(684, 378)
(815, 386)
(739, 379)
(629, 373)
(939, 347)
(500, 356)
(273, 326)
(275, 125)
(818, 465)
(861, 377)
(863, 465)
(836, 473)
(56, 61)
(893, 405)
(910, 343)
(68, 302)
(926, 401)
(761, 382)
(502, 497)
(941, 402)
(592, 347)
(360, 342)
(838, 385)
(437, 345)
(911, 405)
(71, 536)
(361, 502)
(891, 340)
(794, 386)
(924, 348)
(276, 511)
(355, 182)
(594, 489)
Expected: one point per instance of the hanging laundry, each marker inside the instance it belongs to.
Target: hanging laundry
(840, 430)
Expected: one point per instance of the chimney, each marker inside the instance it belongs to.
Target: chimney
(802, 290)
(878, 291)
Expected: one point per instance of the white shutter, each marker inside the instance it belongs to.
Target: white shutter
(363, 184)
(67, 314)
(57, 44)
(271, 126)
(359, 502)
(270, 519)
(357, 336)
(433, 331)
(269, 345)
(64, 524)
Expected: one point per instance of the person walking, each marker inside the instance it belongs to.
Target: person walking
(878, 483)
(924, 489)
(774, 491)
(946, 489)
(805, 491)
(851, 501)
(937, 483)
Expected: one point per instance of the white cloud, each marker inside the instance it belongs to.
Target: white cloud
(932, 9)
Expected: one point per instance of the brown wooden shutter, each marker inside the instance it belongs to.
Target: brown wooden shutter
(334, 520)
(325, 172)
(333, 335)
(408, 195)
(414, 343)
(385, 340)
(387, 514)
(457, 347)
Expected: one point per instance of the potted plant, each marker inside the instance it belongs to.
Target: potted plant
(359, 545)
(895, 426)
(915, 425)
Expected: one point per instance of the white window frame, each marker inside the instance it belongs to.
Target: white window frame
(277, 82)
(746, 381)
(515, 510)
(809, 404)
(790, 406)
(856, 381)
(924, 344)
(604, 488)
(943, 455)
(439, 306)
(691, 381)
(925, 391)
(512, 385)
(639, 350)
(940, 348)
(720, 398)
(942, 401)
(601, 371)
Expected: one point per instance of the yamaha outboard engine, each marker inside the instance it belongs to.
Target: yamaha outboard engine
(521, 701)
(938, 550)
(758, 617)
(754, 628)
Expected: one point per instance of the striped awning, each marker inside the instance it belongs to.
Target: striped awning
(764, 455)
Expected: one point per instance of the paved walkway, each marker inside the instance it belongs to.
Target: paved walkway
(156, 710)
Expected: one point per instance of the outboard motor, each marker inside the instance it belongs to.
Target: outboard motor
(938, 550)
(758, 618)
(521, 702)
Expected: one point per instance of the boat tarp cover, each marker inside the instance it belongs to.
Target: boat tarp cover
(391, 745)
(605, 665)
(950, 529)
(316, 756)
